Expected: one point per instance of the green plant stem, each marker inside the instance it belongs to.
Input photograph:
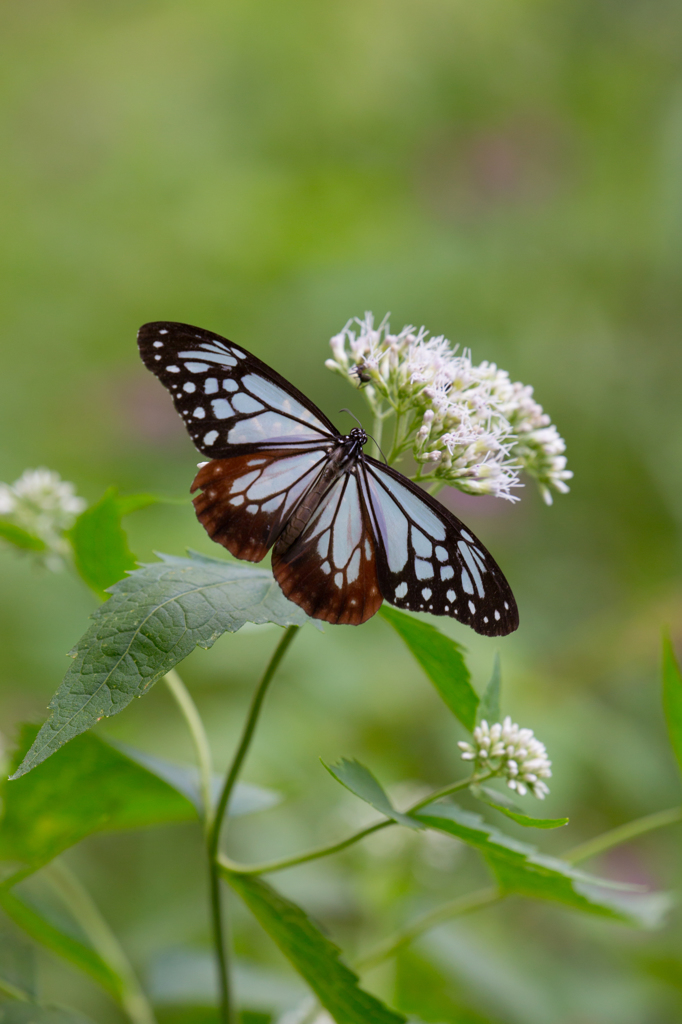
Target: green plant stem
(87, 914)
(455, 908)
(213, 840)
(326, 851)
(623, 834)
(189, 711)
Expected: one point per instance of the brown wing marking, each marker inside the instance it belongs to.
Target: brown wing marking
(245, 500)
(330, 570)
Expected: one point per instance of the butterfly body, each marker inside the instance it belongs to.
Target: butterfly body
(346, 532)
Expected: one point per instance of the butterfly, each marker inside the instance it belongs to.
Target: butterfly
(347, 532)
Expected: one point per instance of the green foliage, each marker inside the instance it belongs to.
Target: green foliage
(489, 707)
(519, 868)
(314, 956)
(246, 798)
(154, 618)
(88, 787)
(502, 803)
(17, 966)
(442, 660)
(31, 1013)
(100, 546)
(21, 538)
(360, 781)
(34, 921)
(672, 697)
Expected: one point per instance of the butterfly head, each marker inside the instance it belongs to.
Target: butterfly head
(356, 440)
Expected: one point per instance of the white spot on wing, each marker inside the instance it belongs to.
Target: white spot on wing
(199, 413)
(472, 607)
(210, 437)
(211, 357)
(173, 369)
(338, 579)
(441, 554)
(401, 589)
(210, 386)
(195, 367)
(189, 387)
(451, 595)
(497, 615)
(426, 593)
(446, 572)
(221, 408)
(230, 385)
(424, 570)
(158, 344)
(422, 545)
(466, 582)
(164, 331)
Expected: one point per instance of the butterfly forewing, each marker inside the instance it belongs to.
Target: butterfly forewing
(226, 396)
(330, 570)
(428, 561)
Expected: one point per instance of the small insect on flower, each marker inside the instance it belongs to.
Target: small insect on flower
(507, 751)
(44, 505)
(465, 425)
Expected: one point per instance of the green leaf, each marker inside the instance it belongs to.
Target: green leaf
(52, 937)
(315, 958)
(360, 781)
(21, 538)
(155, 618)
(31, 1013)
(128, 503)
(100, 546)
(17, 966)
(88, 787)
(520, 868)
(443, 661)
(672, 697)
(246, 797)
(504, 805)
(489, 708)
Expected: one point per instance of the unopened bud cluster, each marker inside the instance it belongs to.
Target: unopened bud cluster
(44, 505)
(465, 425)
(506, 750)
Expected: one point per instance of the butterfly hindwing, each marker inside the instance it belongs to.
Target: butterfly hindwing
(226, 396)
(330, 570)
(246, 499)
(428, 561)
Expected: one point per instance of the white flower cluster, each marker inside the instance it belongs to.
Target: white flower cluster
(43, 504)
(468, 426)
(505, 749)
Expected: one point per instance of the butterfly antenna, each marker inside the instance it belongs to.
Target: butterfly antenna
(368, 435)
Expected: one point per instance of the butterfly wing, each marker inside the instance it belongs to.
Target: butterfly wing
(330, 570)
(246, 500)
(428, 561)
(226, 396)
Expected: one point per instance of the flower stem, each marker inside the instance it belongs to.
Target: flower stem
(623, 834)
(455, 908)
(326, 851)
(227, 1014)
(87, 914)
(189, 711)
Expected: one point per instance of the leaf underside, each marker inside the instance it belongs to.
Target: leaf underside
(360, 781)
(154, 618)
(442, 660)
(520, 868)
(314, 957)
(505, 806)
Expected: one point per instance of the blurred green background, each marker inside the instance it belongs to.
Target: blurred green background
(508, 173)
